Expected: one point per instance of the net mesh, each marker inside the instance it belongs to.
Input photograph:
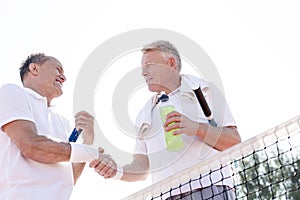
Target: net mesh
(264, 167)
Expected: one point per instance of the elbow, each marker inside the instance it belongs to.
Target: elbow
(135, 177)
(234, 140)
(143, 176)
(231, 141)
(140, 174)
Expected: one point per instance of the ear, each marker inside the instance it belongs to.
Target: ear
(172, 61)
(34, 68)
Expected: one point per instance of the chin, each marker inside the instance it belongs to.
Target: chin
(59, 93)
(154, 88)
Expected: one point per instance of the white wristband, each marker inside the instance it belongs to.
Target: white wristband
(83, 153)
(119, 173)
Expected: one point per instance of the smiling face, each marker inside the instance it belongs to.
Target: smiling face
(46, 78)
(159, 71)
(51, 78)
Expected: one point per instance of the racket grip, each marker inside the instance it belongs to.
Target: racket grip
(205, 107)
(74, 135)
(203, 103)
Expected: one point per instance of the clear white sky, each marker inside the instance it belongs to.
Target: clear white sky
(255, 46)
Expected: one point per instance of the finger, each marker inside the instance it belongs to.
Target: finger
(83, 116)
(101, 165)
(173, 127)
(102, 159)
(173, 114)
(83, 121)
(104, 171)
(94, 163)
(84, 124)
(107, 170)
(178, 132)
(83, 113)
(170, 120)
(112, 172)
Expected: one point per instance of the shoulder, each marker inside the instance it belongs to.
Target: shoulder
(11, 90)
(10, 86)
(194, 81)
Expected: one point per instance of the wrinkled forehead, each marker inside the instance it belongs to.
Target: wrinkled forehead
(152, 56)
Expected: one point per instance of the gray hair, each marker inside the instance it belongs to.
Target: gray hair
(166, 47)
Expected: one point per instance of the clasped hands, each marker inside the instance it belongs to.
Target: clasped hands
(104, 165)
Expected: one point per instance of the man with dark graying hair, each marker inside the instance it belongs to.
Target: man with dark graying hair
(36, 159)
(161, 65)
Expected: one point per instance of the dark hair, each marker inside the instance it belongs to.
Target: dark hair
(38, 58)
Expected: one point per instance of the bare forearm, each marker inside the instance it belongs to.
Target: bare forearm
(44, 150)
(220, 138)
(134, 173)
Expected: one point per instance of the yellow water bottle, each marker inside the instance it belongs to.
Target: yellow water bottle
(173, 142)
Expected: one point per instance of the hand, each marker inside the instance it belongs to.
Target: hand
(182, 123)
(104, 165)
(85, 121)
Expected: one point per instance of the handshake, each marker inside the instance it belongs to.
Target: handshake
(102, 163)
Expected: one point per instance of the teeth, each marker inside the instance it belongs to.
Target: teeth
(59, 83)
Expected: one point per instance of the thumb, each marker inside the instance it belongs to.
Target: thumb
(100, 150)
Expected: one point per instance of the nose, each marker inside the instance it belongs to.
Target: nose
(144, 71)
(62, 78)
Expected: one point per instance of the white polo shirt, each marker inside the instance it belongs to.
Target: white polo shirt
(22, 178)
(151, 134)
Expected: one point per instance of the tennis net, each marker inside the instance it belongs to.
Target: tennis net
(264, 167)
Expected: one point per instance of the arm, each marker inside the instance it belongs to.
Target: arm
(220, 138)
(137, 170)
(39, 148)
(36, 147)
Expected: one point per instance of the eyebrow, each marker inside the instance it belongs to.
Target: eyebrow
(149, 63)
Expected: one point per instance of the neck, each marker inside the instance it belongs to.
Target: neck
(35, 87)
(173, 84)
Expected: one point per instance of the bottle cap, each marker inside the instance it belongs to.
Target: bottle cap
(164, 98)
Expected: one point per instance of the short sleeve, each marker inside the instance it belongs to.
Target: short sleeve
(220, 109)
(14, 104)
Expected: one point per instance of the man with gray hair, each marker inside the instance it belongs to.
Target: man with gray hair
(161, 65)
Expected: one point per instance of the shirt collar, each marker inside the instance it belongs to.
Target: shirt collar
(35, 94)
(188, 84)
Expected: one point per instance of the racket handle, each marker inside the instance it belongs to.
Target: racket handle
(74, 135)
(205, 107)
(203, 103)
